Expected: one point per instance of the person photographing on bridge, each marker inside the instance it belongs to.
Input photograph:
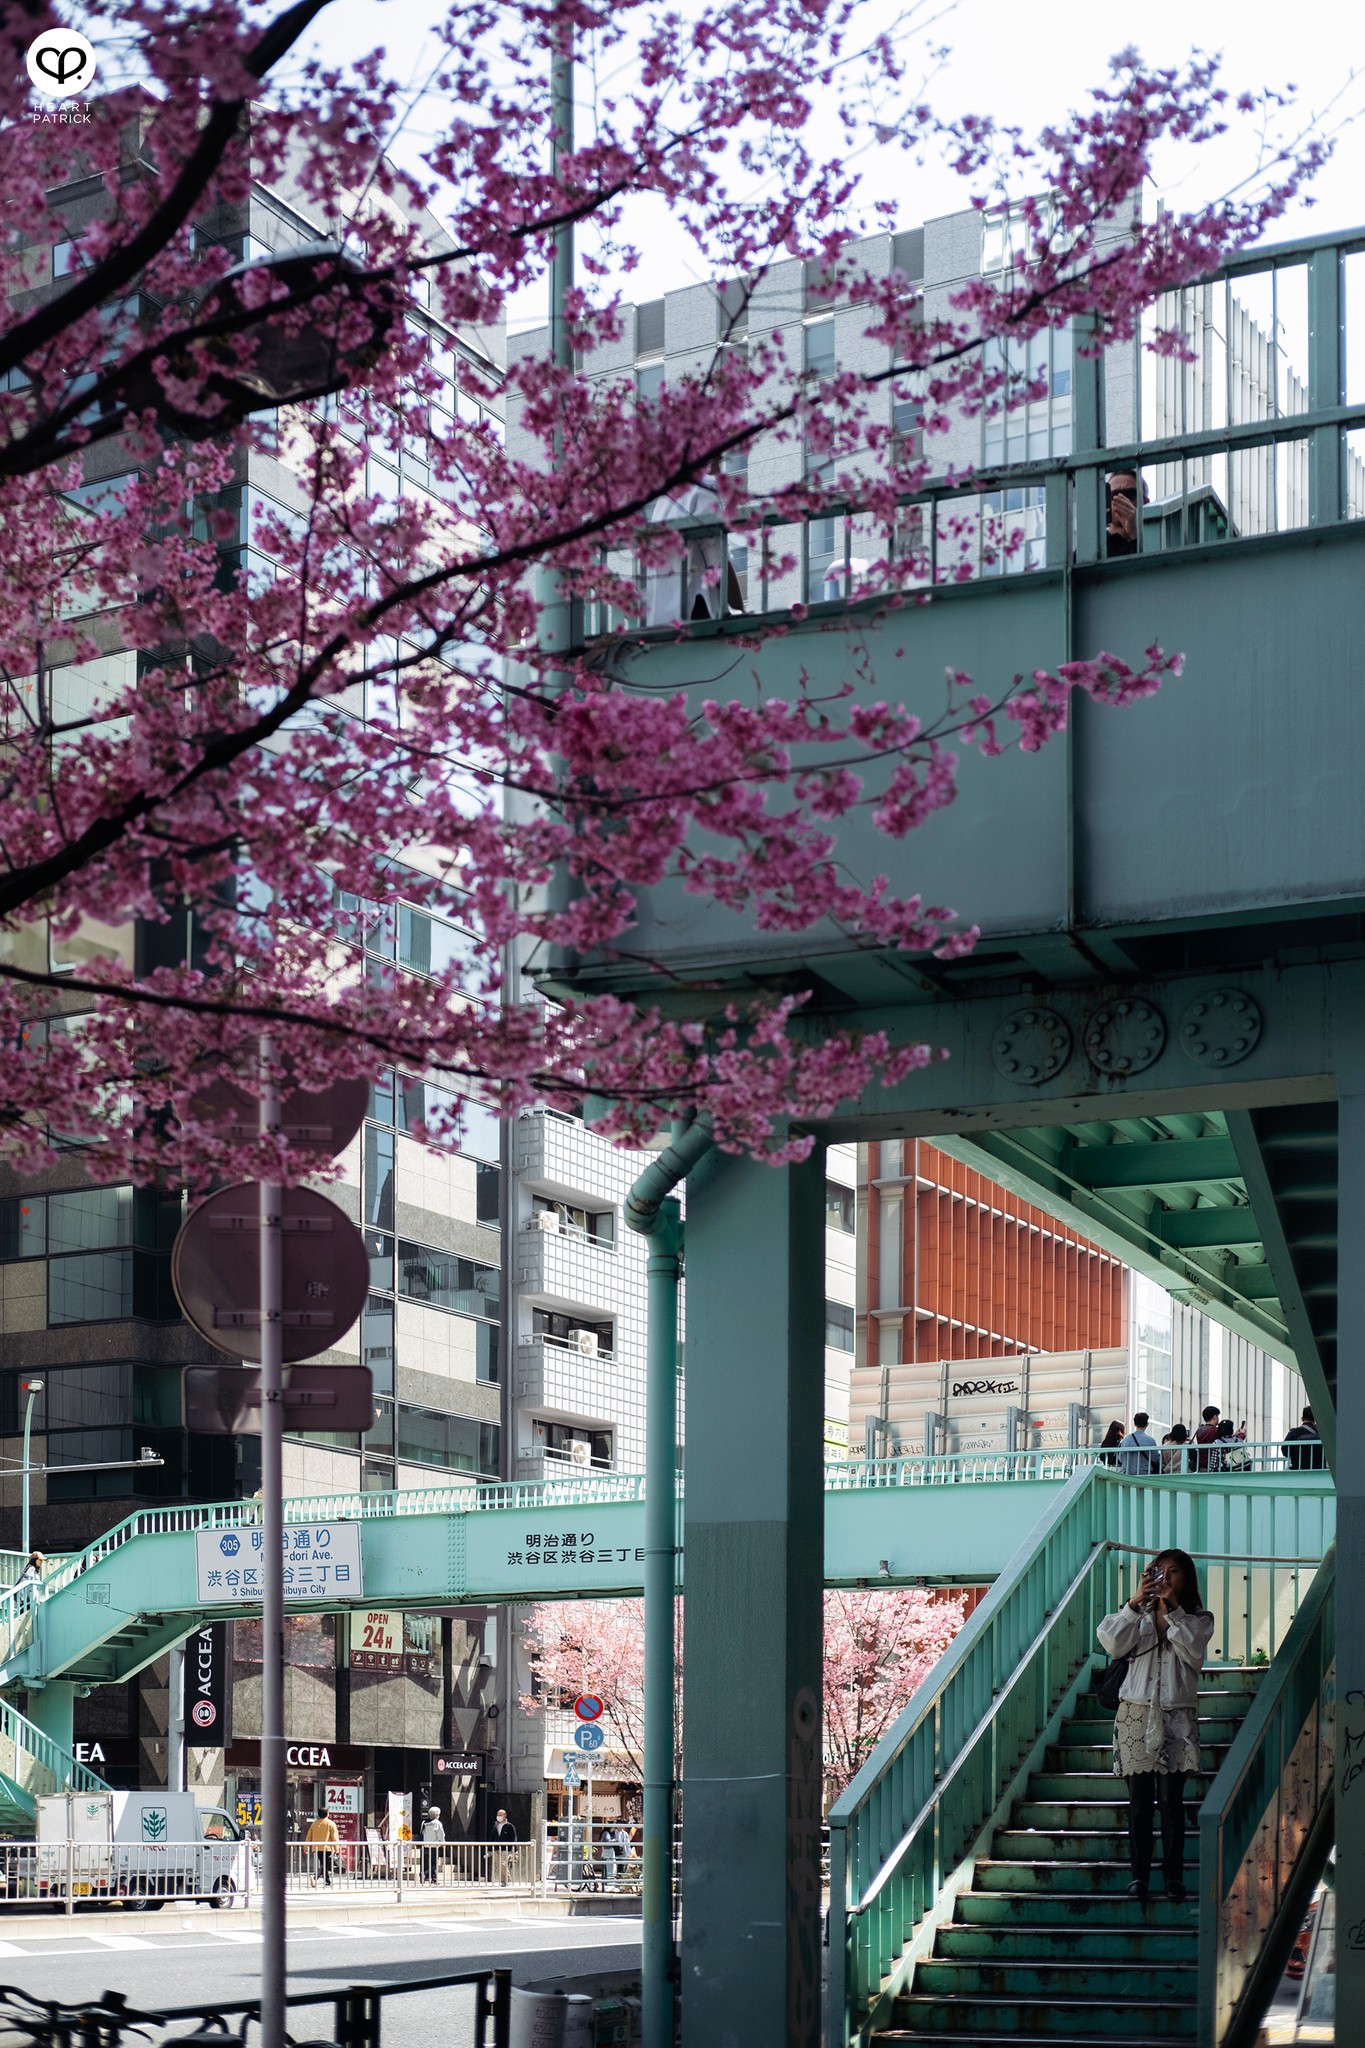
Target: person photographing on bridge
(1164, 1633)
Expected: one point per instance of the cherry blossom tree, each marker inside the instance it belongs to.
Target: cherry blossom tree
(191, 809)
(879, 1647)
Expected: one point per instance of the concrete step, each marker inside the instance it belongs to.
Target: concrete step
(1052, 1906)
(1063, 1814)
(1072, 1874)
(1064, 1757)
(1058, 1845)
(896, 2037)
(1088, 1787)
(1136, 1977)
(1071, 1943)
(1077, 1731)
(1052, 2018)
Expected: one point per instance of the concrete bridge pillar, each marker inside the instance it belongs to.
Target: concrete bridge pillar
(753, 1572)
(52, 1708)
(1350, 1596)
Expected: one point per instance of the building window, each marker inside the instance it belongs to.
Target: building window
(378, 1178)
(445, 1280)
(819, 348)
(376, 1342)
(380, 1248)
(649, 382)
(95, 1287)
(841, 1207)
(90, 1220)
(838, 1326)
(489, 1370)
(560, 1329)
(598, 1226)
(487, 1193)
(565, 1444)
(455, 1442)
(23, 1227)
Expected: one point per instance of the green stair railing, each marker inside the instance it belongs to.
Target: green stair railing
(923, 1798)
(1267, 1825)
(34, 1763)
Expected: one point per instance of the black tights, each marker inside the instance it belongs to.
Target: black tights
(1151, 1792)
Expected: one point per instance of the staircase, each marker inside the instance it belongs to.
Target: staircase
(1045, 1946)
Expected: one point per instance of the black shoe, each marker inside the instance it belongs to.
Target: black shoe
(1176, 1890)
(1138, 1889)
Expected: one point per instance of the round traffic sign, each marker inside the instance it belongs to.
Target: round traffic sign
(321, 1120)
(216, 1269)
(588, 1707)
(588, 1738)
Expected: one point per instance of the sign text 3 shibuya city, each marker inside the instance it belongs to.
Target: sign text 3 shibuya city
(319, 1558)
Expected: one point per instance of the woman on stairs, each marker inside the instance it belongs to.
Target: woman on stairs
(1164, 1632)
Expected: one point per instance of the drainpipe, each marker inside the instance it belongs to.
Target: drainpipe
(653, 1210)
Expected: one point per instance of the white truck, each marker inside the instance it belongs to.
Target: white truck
(142, 1847)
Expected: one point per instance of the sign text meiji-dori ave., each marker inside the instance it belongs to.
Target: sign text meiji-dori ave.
(320, 1558)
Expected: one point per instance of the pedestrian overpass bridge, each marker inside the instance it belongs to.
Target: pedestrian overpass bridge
(102, 1614)
(1160, 1037)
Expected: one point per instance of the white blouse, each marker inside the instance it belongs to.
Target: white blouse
(1174, 1669)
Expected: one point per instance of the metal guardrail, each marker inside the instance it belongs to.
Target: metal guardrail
(357, 2015)
(1266, 1826)
(1054, 1464)
(934, 1782)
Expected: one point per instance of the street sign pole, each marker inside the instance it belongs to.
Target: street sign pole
(273, 1963)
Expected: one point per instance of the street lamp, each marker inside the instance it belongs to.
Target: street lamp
(32, 1388)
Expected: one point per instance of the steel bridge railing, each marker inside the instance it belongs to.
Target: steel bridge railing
(934, 1782)
(1261, 432)
(1267, 1825)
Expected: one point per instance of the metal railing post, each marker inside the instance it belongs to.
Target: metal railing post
(1324, 384)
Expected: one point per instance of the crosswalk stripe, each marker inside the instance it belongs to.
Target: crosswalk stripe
(7, 1948)
(234, 1933)
(117, 1940)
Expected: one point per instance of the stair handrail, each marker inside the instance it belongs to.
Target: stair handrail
(1255, 1880)
(66, 1772)
(876, 1821)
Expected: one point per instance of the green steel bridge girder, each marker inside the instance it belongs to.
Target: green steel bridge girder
(109, 1621)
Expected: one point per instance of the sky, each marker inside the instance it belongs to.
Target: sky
(1027, 65)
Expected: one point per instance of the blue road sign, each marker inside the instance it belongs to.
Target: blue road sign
(588, 1737)
(572, 1775)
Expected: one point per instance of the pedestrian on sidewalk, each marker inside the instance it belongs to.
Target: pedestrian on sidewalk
(433, 1834)
(324, 1839)
(1164, 1633)
(1109, 1444)
(505, 1835)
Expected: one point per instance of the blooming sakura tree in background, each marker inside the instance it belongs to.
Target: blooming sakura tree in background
(181, 754)
(879, 1647)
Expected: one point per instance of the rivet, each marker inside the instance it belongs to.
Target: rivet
(1200, 1048)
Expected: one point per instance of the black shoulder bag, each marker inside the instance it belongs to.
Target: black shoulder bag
(1110, 1682)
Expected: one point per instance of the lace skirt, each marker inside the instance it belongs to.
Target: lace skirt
(1151, 1738)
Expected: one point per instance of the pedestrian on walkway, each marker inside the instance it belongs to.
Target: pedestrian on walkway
(1109, 1444)
(607, 1852)
(32, 1573)
(1206, 1459)
(1164, 1632)
(505, 1835)
(1174, 1448)
(433, 1835)
(1138, 1454)
(324, 1839)
(1303, 1450)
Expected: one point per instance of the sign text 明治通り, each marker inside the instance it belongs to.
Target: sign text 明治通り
(321, 1562)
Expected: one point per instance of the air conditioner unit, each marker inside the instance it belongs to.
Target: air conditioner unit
(547, 1220)
(580, 1451)
(586, 1340)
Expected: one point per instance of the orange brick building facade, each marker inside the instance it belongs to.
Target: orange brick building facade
(956, 1267)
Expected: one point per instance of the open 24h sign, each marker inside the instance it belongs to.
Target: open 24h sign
(321, 1561)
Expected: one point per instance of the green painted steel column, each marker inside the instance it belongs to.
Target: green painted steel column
(1350, 1478)
(753, 1569)
(52, 1707)
(658, 1965)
